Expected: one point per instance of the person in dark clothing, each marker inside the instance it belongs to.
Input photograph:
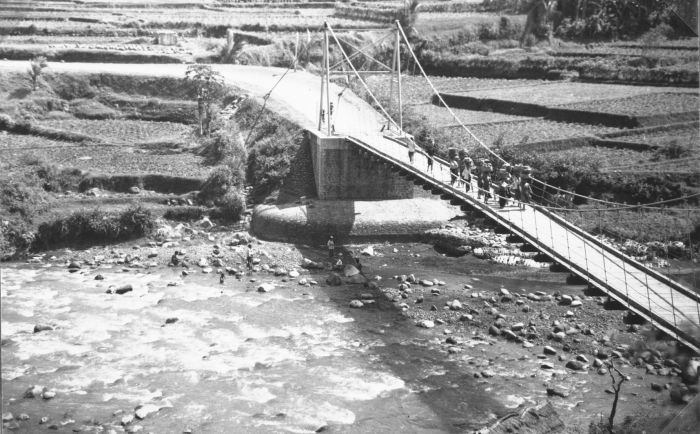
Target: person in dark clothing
(430, 154)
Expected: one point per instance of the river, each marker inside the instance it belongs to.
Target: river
(236, 360)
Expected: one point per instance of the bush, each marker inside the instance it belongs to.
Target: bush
(509, 30)
(225, 145)
(232, 205)
(220, 181)
(94, 226)
(24, 198)
(486, 31)
(270, 158)
(185, 213)
(58, 180)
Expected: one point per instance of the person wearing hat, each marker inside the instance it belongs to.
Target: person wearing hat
(331, 247)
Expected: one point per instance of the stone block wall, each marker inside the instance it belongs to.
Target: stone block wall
(300, 180)
(341, 174)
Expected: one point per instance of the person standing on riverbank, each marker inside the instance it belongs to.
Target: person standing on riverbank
(249, 257)
(331, 247)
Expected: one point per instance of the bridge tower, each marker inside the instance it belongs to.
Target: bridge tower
(344, 68)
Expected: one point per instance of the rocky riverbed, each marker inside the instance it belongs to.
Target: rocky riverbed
(116, 339)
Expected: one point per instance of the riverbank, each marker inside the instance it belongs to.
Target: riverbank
(205, 356)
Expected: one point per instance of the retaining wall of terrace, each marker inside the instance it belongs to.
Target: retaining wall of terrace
(562, 114)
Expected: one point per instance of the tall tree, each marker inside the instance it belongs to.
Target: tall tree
(208, 85)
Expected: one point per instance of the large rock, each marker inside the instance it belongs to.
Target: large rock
(350, 270)
(575, 365)
(426, 324)
(42, 328)
(368, 251)
(142, 411)
(311, 265)
(356, 304)
(265, 287)
(334, 280)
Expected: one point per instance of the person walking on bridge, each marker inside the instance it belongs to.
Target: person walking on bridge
(411, 145)
(429, 151)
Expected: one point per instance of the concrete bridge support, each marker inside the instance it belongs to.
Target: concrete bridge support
(341, 173)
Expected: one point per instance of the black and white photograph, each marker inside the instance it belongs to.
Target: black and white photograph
(350, 216)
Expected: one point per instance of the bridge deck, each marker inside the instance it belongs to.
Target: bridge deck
(668, 305)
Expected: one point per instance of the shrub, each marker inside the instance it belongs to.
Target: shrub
(220, 181)
(509, 30)
(269, 159)
(15, 239)
(185, 213)
(94, 226)
(486, 31)
(58, 180)
(232, 205)
(24, 198)
(225, 144)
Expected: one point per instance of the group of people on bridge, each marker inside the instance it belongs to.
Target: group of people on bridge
(507, 182)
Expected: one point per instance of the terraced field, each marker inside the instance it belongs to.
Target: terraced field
(561, 93)
(416, 89)
(642, 105)
(440, 116)
(123, 131)
(526, 131)
(16, 149)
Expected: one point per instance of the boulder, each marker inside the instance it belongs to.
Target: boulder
(427, 282)
(38, 328)
(350, 270)
(495, 331)
(549, 350)
(134, 190)
(557, 391)
(356, 303)
(575, 365)
(455, 305)
(293, 274)
(566, 299)
(311, 265)
(426, 324)
(576, 303)
(34, 392)
(581, 358)
(265, 287)
(368, 251)
(334, 280)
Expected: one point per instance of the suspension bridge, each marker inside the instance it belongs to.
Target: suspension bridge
(343, 116)
(665, 303)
